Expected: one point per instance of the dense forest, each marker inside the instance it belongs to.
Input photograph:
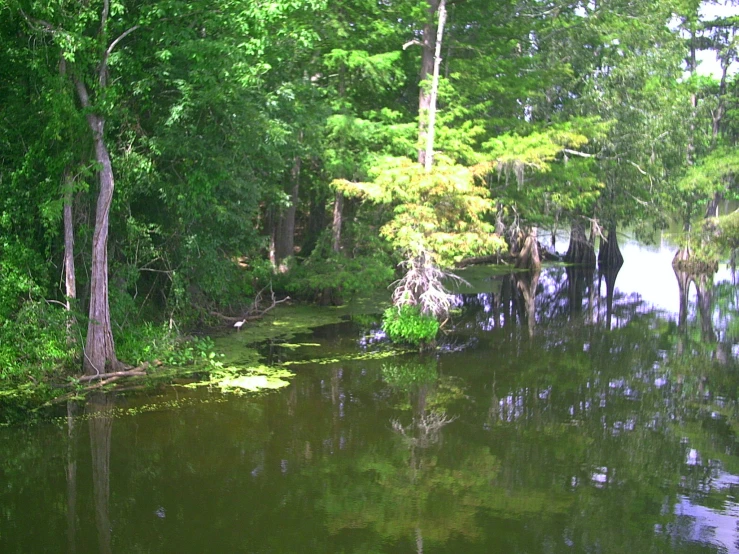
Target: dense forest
(163, 163)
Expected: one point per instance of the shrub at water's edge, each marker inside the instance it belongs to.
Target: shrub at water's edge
(406, 324)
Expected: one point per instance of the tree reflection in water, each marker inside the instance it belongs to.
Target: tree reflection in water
(99, 411)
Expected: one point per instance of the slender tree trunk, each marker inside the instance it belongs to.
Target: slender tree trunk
(100, 348)
(336, 226)
(70, 281)
(430, 132)
(316, 219)
(427, 68)
(285, 228)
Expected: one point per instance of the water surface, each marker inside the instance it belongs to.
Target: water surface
(568, 412)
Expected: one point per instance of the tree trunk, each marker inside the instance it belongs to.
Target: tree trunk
(528, 256)
(70, 282)
(100, 348)
(336, 226)
(580, 250)
(712, 208)
(609, 254)
(427, 68)
(430, 132)
(285, 227)
(316, 220)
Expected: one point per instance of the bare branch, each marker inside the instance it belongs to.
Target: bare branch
(82, 93)
(578, 153)
(123, 35)
(413, 42)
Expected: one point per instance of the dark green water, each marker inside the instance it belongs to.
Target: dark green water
(584, 422)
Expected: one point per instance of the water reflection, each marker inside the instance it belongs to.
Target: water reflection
(580, 419)
(100, 420)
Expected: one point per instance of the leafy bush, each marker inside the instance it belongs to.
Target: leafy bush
(148, 342)
(34, 343)
(407, 324)
(350, 276)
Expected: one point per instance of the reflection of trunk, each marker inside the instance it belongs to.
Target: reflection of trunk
(527, 284)
(285, 226)
(506, 300)
(610, 278)
(528, 256)
(704, 289)
(99, 409)
(578, 278)
(72, 436)
(609, 255)
(581, 250)
(683, 285)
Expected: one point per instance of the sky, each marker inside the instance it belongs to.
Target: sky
(709, 65)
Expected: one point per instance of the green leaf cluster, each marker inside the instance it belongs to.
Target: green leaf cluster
(406, 324)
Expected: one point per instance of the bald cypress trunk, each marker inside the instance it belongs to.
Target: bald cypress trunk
(528, 256)
(581, 250)
(609, 254)
(100, 349)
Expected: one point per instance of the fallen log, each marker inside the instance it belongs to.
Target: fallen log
(136, 371)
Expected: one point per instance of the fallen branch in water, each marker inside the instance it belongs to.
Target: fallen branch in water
(105, 379)
(254, 312)
(136, 371)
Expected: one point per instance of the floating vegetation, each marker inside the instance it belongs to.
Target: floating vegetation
(349, 358)
(240, 380)
(148, 407)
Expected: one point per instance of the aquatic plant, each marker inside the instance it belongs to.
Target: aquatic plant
(408, 324)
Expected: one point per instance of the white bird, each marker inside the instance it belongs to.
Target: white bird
(238, 324)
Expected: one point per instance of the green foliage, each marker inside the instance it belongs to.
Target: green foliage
(406, 324)
(348, 276)
(723, 231)
(34, 343)
(148, 342)
(442, 211)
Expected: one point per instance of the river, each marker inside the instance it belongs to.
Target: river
(568, 413)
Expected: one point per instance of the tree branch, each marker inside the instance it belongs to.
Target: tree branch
(123, 35)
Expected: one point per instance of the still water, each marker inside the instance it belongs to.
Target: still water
(568, 412)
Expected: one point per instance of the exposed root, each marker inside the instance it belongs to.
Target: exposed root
(422, 285)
